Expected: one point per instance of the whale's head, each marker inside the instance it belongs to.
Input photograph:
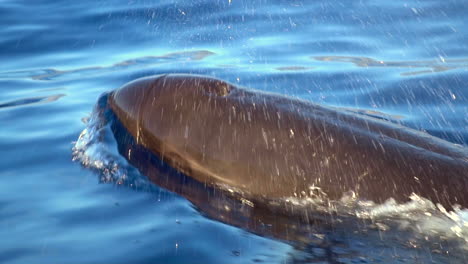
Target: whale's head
(164, 101)
(163, 89)
(180, 117)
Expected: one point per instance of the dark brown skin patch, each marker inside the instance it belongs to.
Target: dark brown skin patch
(274, 146)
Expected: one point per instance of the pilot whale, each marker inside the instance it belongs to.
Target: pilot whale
(272, 146)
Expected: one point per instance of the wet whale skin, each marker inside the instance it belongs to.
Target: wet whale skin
(273, 146)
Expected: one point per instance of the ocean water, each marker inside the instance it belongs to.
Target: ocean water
(61, 199)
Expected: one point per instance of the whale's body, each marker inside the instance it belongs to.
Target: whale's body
(272, 146)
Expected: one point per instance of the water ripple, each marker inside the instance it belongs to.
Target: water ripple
(52, 74)
(31, 100)
(421, 67)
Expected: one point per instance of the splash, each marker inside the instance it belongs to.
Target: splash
(424, 220)
(96, 149)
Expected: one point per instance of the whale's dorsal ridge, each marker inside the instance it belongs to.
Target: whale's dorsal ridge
(207, 85)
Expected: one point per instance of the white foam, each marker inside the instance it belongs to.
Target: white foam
(419, 216)
(93, 151)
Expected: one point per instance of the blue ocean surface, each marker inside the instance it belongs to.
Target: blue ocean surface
(403, 61)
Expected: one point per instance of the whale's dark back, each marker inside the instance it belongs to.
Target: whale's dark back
(273, 146)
